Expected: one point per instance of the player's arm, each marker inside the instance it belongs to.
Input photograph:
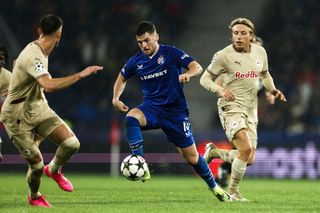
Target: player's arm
(194, 69)
(209, 81)
(53, 84)
(118, 89)
(268, 83)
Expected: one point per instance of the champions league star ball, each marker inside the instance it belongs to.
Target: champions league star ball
(133, 167)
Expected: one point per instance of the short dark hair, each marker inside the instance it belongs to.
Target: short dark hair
(50, 23)
(145, 27)
(4, 50)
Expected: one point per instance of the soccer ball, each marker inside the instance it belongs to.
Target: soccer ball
(133, 167)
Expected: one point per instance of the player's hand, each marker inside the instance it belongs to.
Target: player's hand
(227, 94)
(269, 97)
(279, 95)
(90, 70)
(184, 78)
(120, 106)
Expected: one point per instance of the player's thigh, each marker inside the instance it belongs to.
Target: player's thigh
(178, 131)
(242, 143)
(233, 123)
(55, 129)
(139, 115)
(252, 132)
(150, 117)
(27, 144)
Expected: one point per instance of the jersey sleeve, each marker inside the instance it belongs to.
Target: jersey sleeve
(36, 67)
(181, 57)
(128, 69)
(217, 65)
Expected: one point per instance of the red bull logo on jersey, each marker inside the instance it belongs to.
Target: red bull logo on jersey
(249, 74)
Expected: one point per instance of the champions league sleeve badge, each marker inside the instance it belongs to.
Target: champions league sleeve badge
(39, 67)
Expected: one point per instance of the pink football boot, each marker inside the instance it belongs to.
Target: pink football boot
(60, 179)
(39, 201)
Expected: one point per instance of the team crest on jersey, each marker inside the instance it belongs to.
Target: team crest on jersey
(161, 60)
(258, 63)
(234, 124)
(40, 67)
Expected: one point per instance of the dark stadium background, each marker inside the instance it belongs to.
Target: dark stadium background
(102, 32)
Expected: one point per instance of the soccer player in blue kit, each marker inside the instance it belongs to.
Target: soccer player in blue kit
(164, 106)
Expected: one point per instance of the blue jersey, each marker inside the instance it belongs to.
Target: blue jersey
(159, 76)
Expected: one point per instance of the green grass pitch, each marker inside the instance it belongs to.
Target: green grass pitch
(99, 193)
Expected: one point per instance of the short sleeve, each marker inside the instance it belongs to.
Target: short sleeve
(217, 65)
(37, 67)
(181, 57)
(127, 71)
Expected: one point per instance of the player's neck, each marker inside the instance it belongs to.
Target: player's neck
(47, 44)
(155, 51)
(243, 50)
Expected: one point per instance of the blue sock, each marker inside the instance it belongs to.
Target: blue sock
(205, 173)
(134, 135)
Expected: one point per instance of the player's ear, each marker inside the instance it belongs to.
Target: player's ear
(59, 33)
(157, 37)
(39, 31)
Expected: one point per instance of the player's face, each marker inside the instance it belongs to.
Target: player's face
(148, 43)
(2, 59)
(241, 37)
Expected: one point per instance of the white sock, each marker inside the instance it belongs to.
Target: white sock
(53, 167)
(238, 170)
(227, 155)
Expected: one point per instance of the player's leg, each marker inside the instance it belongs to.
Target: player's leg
(137, 118)
(252, 132)
(134, 120)
(29, 150)
(212, 152)
(68, 145)
(55, 129)
(178, 130)
(191, 155)
(242, 143)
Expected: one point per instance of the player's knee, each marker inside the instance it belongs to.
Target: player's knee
(132, 122)
(245, 153)
(37, 167)
(71, 144)
(250, 161)
(191, 158)
(30, 154)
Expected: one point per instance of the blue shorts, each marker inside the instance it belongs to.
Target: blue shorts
(175, 125)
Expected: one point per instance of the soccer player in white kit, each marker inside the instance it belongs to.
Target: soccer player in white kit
(27, 117)
(243, 65)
